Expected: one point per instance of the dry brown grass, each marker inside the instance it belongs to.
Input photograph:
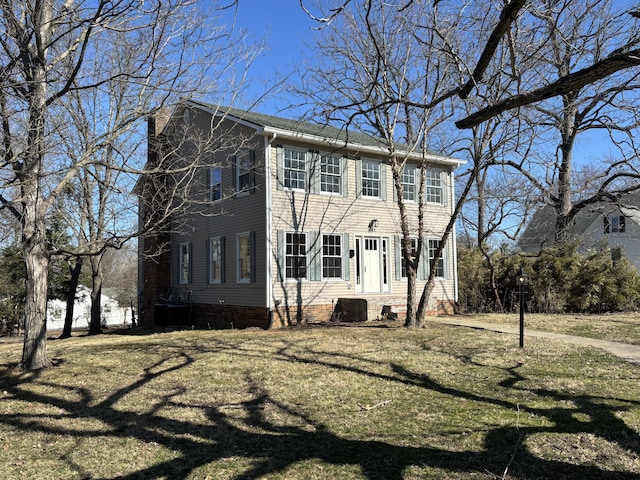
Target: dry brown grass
(616, 327)
(318, 403)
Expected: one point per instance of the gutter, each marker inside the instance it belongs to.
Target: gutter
(359, 147)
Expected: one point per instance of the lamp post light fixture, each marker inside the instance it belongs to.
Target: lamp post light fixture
(522, 281)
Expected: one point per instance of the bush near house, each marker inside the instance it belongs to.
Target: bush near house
(560, 279)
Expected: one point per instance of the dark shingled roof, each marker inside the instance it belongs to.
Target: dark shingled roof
(323, 131)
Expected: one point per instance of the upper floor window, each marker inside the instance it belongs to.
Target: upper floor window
(370, 176)
(295, 169)
(244, 175)
(184, 263)
(409, 183)
(296, 255)
(331, 256)
(215, 184)
(330, 170)
(433, 190)
(614, 224)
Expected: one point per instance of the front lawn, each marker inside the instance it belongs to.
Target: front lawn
(340, 402)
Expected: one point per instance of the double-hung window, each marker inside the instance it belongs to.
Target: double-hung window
(331, 256)
(244, 257)
(216, 260)
(295, 169)
(409, 183)
(370, 176)
(433, 190)
(184, 263)
(439, 265)
(215, 184)
(330, 170)
(414, 249)
(243, 172)
(296, 255)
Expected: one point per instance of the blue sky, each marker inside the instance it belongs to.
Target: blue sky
(287, 31)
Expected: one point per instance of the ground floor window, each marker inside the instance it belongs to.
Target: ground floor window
(296, 255)
(439, 265)
(331, 256)
(184, 267)
(244, 257)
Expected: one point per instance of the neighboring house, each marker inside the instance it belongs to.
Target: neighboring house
(297, 218)
(113, 315)
(613, 225)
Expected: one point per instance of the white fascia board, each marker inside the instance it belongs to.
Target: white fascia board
(358, 147)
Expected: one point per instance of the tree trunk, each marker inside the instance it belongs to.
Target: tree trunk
(36, 258)
(71, 297)
(95, 327)
(424, 300)
(410, 320)
(34, 209)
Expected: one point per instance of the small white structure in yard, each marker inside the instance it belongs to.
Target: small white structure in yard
(113, 315)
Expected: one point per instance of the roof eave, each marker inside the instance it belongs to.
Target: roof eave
(355, 146)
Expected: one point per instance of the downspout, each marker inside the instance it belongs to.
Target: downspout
(269, 222)
(455, 243)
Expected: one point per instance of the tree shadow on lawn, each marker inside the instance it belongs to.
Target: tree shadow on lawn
(270, 448)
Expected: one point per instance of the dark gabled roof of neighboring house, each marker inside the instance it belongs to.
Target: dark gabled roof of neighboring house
(322, 133)
(540, 230)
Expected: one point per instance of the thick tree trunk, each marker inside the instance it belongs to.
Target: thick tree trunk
(36, 257)
(568, 135)
(410, 320)
(34, 208)
(71, 297)
(424, 300)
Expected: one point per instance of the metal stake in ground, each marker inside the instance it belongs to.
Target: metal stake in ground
(522, 281)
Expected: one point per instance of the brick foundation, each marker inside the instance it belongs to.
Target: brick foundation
(228, 316)
(220, 316)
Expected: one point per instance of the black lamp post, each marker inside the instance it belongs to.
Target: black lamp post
(522, 281)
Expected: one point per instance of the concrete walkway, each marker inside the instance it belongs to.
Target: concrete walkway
(630, 353)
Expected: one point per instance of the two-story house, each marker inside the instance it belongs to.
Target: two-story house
(615, 225)
(291, 219)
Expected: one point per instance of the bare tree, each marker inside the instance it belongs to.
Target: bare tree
(517, 28)
(570, 35)
(52, 50)
(369, 56)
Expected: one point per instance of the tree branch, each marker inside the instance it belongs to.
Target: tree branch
(564, 85)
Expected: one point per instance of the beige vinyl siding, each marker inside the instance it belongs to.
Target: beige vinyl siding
(294, 210)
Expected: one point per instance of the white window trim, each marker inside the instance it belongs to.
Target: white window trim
(441, 186)
(339, 175)
(443, 256)
(306, 247)
(379, 180)
(341, 257)
(403, 267)
(414, 184)
(285, 169)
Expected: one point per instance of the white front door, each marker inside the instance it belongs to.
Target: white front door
(371, 265)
